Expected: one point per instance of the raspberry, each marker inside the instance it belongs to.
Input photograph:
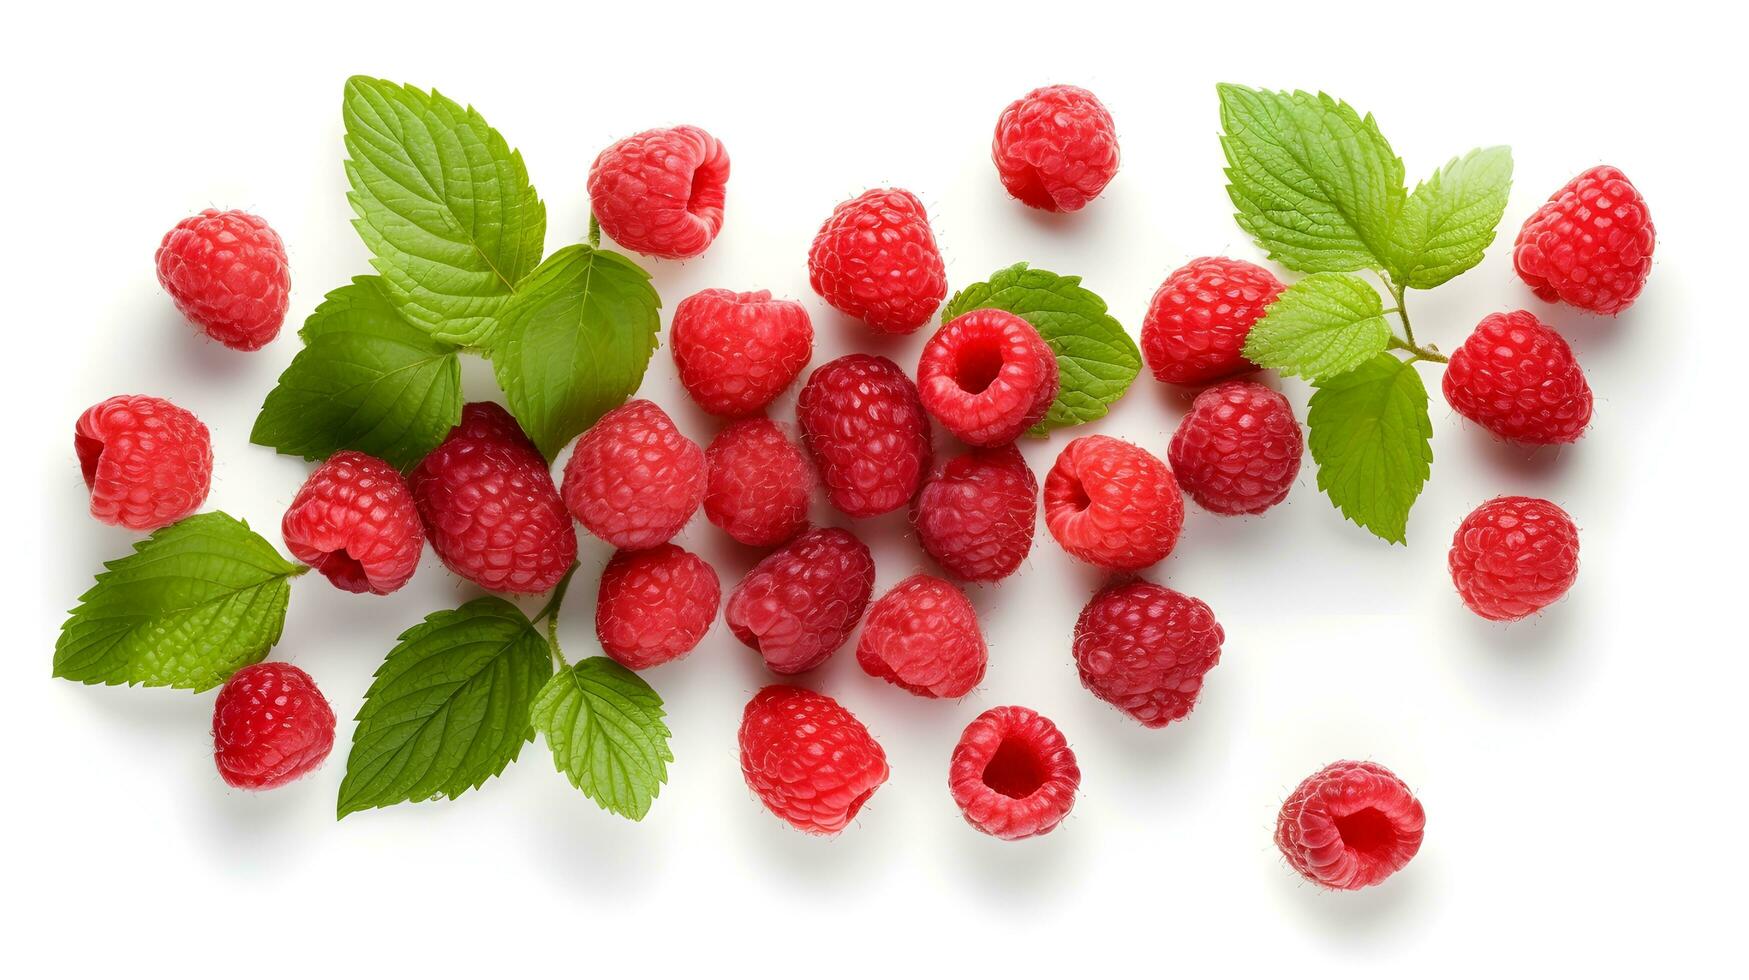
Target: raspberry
(226, 271)
(1514, 555)
(147, 463)
(875, 260)
(655, 605)
(490, 508)
(1590, 245)
(987, 376)
(354, 521)
(1517, 378)
(801, 603)
(976, 514)
(1112, 503)
(757, 484)
(1145, 648)
(923, 636)
(737, 351)
(661, 192)
(807, 759)
(634, 480)
(1013, 774)
(1238, 449)
(270, 726)
(861, 418)
(1199, 317)
(1055, 148)
(1350, 825)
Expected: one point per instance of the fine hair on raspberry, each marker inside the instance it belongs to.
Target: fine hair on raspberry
(810, 761)
(654, 606)
(735, 352)
(1144, 648)
(867, 430)
(633, 479)
(1113, 504)
(758, 483)
(987, 376)
(1013, 774)
(1513, 556)
(977, 513)
(1517, 378)
(1197, 322)
(661, 192)
(1238, 449)
(271, 725)
(1350, 825)
(354, 521)
(226, 271)
(146, 462)
(802, 602)
(1590, 245)
(923, 637)
(875, 260)
(1055, 148)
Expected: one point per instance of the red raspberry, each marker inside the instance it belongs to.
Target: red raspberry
(226, 271)
(1112, 503)
(1199, 317)
(1514, 555)
(634, 480)
(757, 484)
(738, 351)
(1590, 245)
(489, 506)
(147, 463)
(270, 726)
(1055, 148)
(923, 636)
(803, 601)
(354, 521)
(1517, 378)
(875, 260)
(661, 192)
(987, 376)
(861, 418)
(1013, 774)
(1238, 449)
(807, 759)
(1350, 825)
(1145, 648)
(976, 514)
(655, 605)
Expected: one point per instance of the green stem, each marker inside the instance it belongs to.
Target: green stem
(1418, 353)
(550, 613)
(594, 232)
(1407, 341)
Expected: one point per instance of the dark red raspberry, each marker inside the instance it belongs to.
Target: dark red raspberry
(1518, 379)
(1055, 148)
(490, 508)
(875, 260)
(800, 604)
(1145, 648)
(737, 351)
(226, 271)
(661, 192)
(976, 514)
(987, 376)
(1238, 449)
(923, 636)
(807, 759)
(655, 605)
(147, 463)
(634, 480)
(1590, 245)
(1514, 555)
(861, 418)
(1350, 825)
(1199, 317)
(1013, 774)
(758, 484)
(270, 726)
(1112, 503)
(354, 521)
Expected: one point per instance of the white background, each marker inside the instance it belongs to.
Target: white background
(1581, 771)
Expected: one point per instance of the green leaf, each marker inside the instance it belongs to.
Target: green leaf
(1096, 359)
(1370, 437)
(1450, 219)
(194, 603)
(365, 380)
(1324, 325)
(449, 708)
(443, 203)
(604, 725)
(574, 342)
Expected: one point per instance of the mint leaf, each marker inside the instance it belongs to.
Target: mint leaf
(1096, 359)
(449, 707)
(195, 602)
(1450, 219)
(574, 342)
(1326, 324)
(1370, 437)
(365, 380)
(604, 725)
(444, 204)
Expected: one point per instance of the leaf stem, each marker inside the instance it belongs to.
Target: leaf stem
(1407, 341)
(550, 613)
(594, 231)
(1418, 353)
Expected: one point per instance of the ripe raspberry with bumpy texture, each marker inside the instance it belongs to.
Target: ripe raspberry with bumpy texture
(661, 192)
(737, 351)
(977, 512)
(1013, 774)
(490, 508)
(634, 480)
(861, 418)
(923, 636)
(758, 484)
(355, 522)
(1199, 318)
(987, 376)
(1238, 449)
(147, 462)
(808, 759)
(1055, 148)
(1113, 504)
(875, 260)
(1590, 245)
(270, 726)
(1350, 825)
(1518, 379)
(226, 271)
(1144, 649)
(1514, 555)
(655, 605)
(802, 602)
